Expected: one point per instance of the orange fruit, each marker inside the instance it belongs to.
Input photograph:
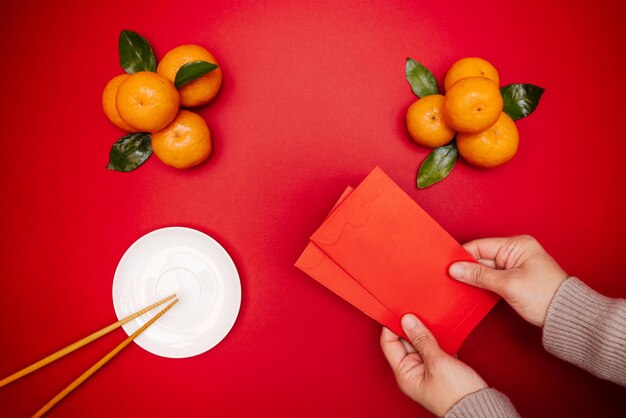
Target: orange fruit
(490, 148)
(146, 101)
(472, 104)
(199, 91)
(183, 143)
(426, 124)
(470, 67)
(108, 102)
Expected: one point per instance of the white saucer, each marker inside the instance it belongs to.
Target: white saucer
(203, 276)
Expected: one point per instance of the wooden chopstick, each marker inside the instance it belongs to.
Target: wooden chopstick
(78, 344)
(100, 363)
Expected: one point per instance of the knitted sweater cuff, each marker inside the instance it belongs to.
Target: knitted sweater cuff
(588, 330)
(486, 403)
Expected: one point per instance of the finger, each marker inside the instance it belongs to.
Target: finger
(405, 363)
(421, 338)
(392, 347)
(485, 248)
(407, 346)
(488, 263)
(479, 275)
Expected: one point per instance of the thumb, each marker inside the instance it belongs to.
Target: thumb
(420, 337)
(478, 275)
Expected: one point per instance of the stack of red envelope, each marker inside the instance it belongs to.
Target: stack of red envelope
(380, 251)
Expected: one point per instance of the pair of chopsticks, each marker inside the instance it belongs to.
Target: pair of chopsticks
(82, 342)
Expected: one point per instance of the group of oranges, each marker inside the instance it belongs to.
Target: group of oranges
(148, 101)
(472, 110)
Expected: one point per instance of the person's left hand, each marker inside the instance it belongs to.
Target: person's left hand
(426, 373)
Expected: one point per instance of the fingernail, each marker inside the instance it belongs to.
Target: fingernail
(456, 271)
(409, 322)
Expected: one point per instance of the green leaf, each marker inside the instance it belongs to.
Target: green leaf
(520, 100)
(135, 53)
(129, 152)
(422, 81)
(192, 71)
(437, 165)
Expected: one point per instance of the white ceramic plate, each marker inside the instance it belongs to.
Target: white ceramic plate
(203, 276)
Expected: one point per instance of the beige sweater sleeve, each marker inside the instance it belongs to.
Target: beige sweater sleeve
(588, 330)
(486, 403)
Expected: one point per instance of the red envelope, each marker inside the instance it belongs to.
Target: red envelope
(382, 239)
(319, 266)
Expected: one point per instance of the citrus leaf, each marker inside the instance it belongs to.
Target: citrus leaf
(135, 53)
(437, 165)
(129, 152)
(520, 100)
(422, 81)
(192, 71)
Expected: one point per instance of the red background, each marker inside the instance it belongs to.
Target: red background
(314, 97)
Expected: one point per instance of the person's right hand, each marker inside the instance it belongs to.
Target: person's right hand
(516, 268)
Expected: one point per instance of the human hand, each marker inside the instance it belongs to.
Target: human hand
(426, 373)
(516, 268)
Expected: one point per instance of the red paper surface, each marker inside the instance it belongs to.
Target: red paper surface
(322, 268)
(314, 96)
(382, 239)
